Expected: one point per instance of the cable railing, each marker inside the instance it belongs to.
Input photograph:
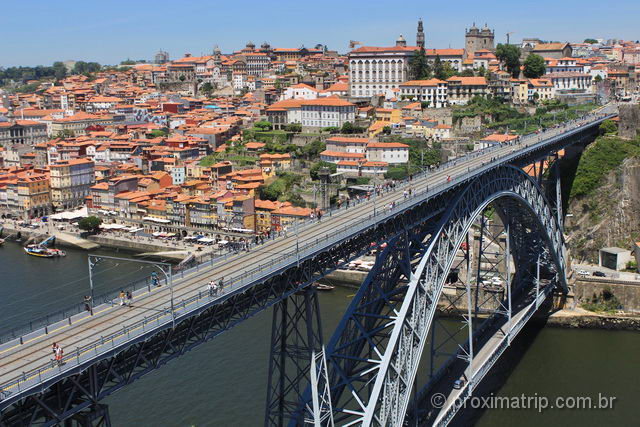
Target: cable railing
(249, 278)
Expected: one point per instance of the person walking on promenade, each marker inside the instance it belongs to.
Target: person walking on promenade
(129, 298)
(54, 347)
(121, 296)
(220, 285)
(59, 353)
(87, 304)
(210, 288)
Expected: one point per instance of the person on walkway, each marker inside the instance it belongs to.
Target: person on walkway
(121, 296)
(54, 347)
(220, 285)
(210, 288)
(59, 353)
(129, 298)
(87, 303)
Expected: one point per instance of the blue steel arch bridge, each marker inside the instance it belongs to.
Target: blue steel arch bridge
(479, 238)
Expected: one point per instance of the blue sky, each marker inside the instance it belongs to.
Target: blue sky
(39, 32)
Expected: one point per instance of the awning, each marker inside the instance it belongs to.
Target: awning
(158, 220)
(64, 216)
(135, 230)
(112, 226)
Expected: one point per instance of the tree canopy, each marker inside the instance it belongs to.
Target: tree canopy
(419, 67)
(313, 171)
(263, 125)
(534, 66)
(90, 223)
(509, 55)
(442, 69)
(590, 41)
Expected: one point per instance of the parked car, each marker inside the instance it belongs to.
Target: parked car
(599, 274)
(583, 272)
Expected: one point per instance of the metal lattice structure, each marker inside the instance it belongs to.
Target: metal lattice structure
(372, 359)
(374, 355)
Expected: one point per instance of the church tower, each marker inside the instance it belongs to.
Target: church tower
(420, 35)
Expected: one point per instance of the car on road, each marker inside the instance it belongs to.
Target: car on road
(599, 274)
(458, 384)
(583, 272)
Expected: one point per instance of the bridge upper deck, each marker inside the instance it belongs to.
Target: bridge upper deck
(27, 362)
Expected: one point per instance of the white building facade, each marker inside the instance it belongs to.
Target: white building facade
(376, 70)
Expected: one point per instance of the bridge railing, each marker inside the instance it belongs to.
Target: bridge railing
(239, 282)
(71, 313)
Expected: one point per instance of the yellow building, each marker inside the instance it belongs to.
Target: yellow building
(34, 194)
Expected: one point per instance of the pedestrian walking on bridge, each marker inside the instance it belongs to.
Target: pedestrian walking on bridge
(121, 297)
(59, 353)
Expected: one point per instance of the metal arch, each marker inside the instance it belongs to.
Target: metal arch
(385, 402)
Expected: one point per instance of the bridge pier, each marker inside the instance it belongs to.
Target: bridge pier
(296, 336)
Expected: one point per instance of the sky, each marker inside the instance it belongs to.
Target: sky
(38, 32)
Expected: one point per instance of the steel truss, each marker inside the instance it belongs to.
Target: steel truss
(382, 312)
(374, 354)
(296, 337)
(90, 382)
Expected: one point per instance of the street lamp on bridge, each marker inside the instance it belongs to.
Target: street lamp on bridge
(164, 267)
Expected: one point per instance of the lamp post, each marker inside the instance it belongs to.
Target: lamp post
(164, 267)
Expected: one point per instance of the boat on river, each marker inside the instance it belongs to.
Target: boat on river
(43, 252)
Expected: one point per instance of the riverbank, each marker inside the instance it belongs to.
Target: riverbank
(579, 318)
(570, 318)
(145, 246)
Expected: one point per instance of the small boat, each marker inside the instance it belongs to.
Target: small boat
(323, 287)
(41, 251)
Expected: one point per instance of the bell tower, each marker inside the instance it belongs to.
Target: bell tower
(420, 35)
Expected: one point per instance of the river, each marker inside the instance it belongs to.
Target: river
(223, 382)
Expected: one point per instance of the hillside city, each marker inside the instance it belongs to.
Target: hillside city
(359, 218)
(249, 141)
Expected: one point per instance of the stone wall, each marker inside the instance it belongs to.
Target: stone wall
(443, 116)
(628, 293)
(629, 121)
(468, 125)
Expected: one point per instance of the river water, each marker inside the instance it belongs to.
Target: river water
(223, 382)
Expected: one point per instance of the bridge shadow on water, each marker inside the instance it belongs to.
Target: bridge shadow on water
(505, 366)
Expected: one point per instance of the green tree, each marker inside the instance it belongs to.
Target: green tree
(467, 73)
(313, 171)
(90, 223)
(419, 67)
(313, 149)
(509, 55)
(158, 133)
(590, 41)
(206, 88)
(263, 125)
(182, 78)
(293, 127)
(349, 128)
(66, 133)
(597, 78)
(534, 66)
(608, 127)
(274, 190)
(60, 70)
